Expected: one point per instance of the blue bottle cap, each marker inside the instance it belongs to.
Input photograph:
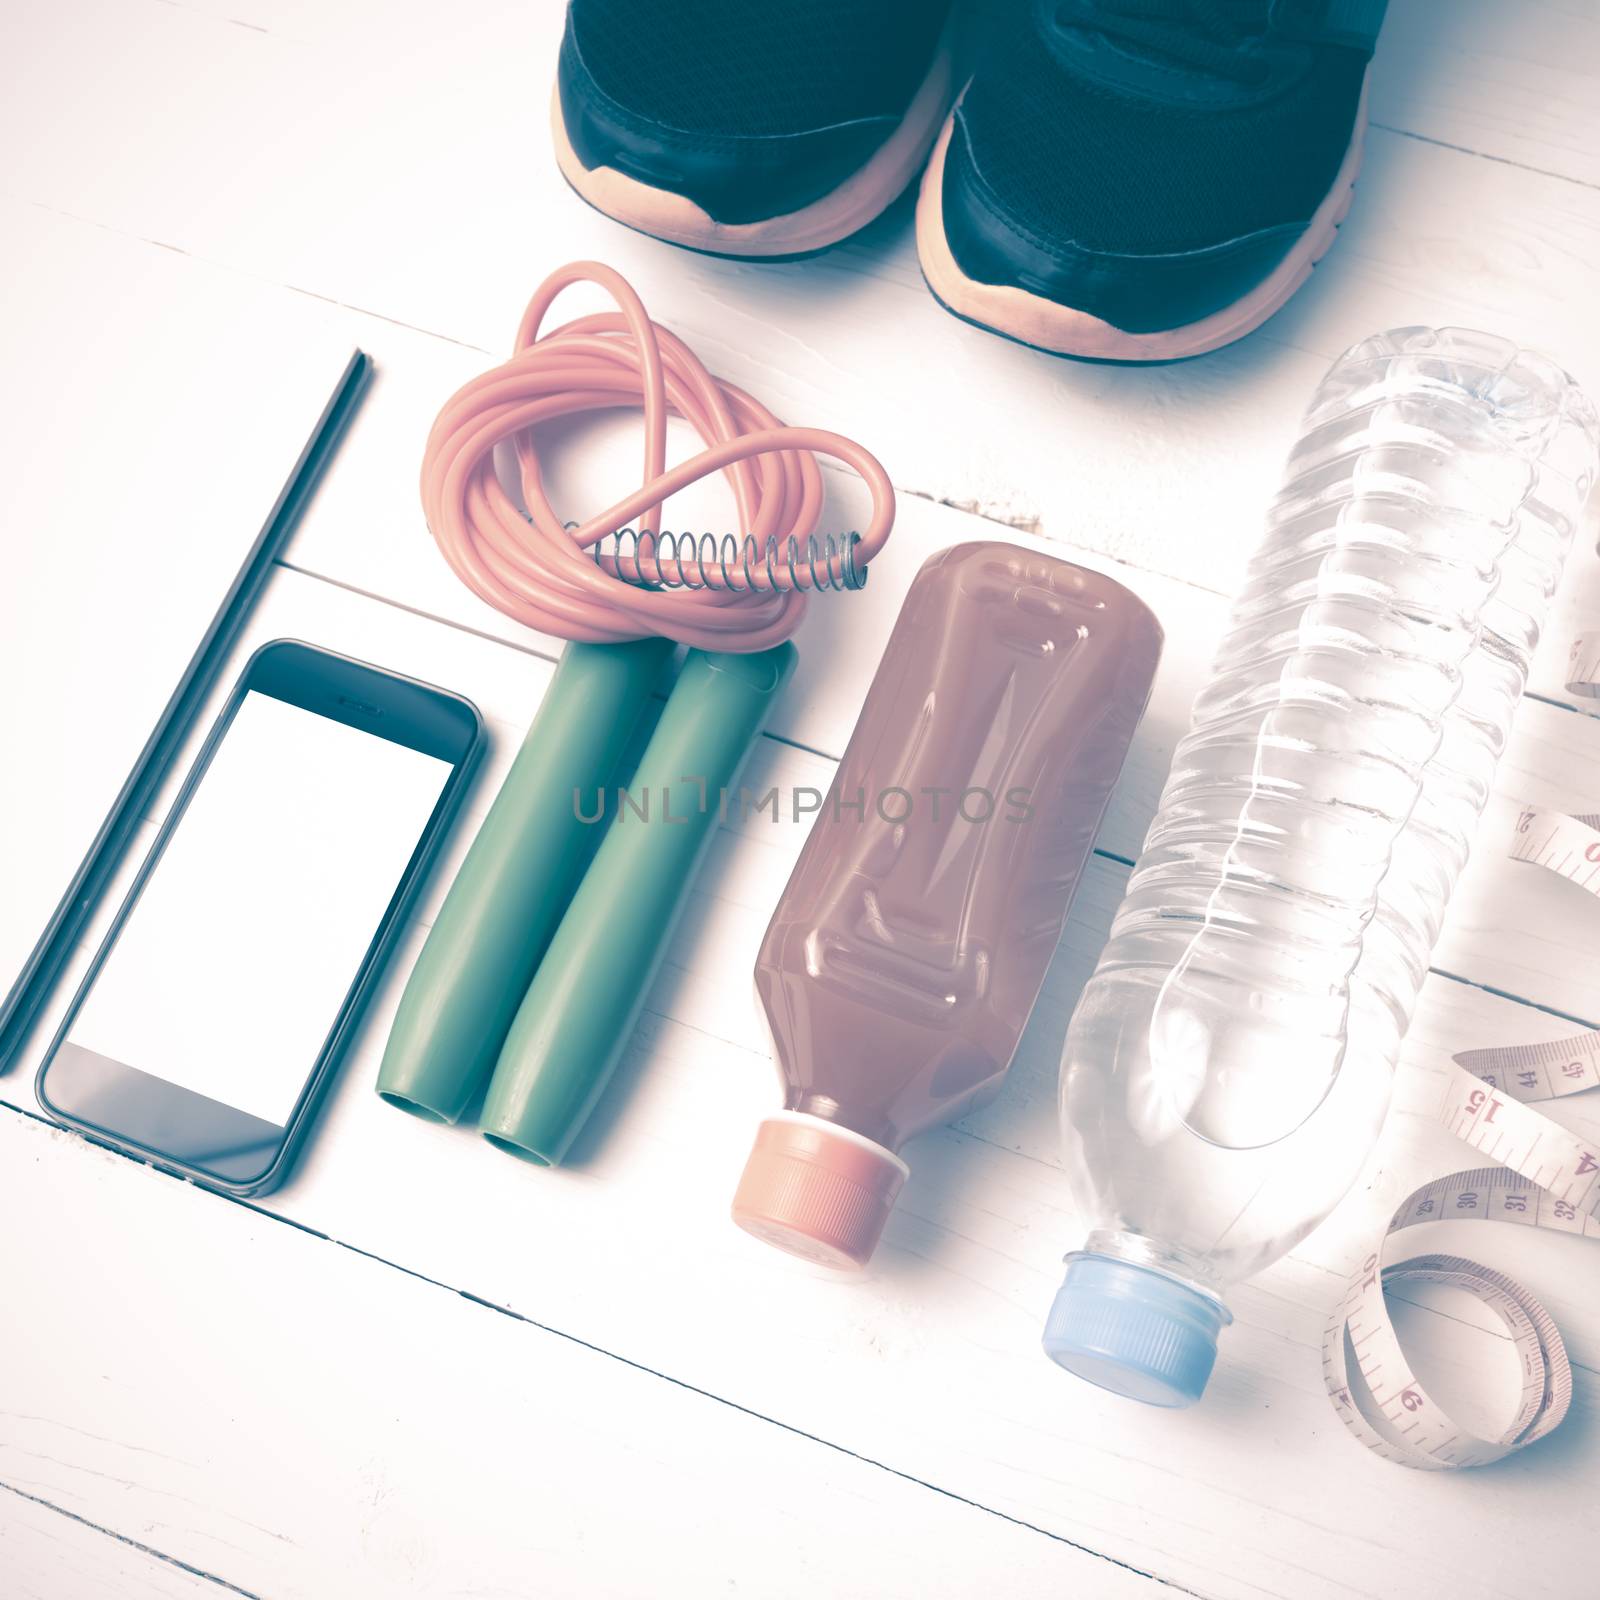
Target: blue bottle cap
(1134, 1330)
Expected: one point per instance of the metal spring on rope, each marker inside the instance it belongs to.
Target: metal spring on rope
(729, 561)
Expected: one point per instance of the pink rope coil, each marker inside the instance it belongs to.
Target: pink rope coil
(543, 573)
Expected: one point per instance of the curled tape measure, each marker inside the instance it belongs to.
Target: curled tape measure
(1547, 1178)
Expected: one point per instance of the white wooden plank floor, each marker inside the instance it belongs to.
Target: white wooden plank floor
(421, 1368)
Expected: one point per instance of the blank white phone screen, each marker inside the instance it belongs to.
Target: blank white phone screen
(236, 957)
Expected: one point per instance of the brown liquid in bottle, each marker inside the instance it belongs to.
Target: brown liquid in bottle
(915, 932)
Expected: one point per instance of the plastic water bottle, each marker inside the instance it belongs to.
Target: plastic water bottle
(1228, 1068)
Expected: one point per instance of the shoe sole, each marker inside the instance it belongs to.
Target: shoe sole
(1032, 319)
(867, 192)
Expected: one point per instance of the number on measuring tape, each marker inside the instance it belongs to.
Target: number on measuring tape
(1569, 846)
(1583, 666)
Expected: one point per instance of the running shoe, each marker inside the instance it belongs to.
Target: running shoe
(1145, 180)
(750, 127)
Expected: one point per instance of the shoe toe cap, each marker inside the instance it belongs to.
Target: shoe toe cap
(1136, 292)
(734, 178)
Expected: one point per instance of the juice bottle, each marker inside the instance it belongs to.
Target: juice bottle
(914, 934)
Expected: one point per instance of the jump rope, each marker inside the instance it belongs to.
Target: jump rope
(535, 971)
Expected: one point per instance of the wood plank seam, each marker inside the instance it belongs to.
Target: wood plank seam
(134, 1544)
(1483, 155)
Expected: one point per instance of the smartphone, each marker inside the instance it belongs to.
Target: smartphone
(234, 973)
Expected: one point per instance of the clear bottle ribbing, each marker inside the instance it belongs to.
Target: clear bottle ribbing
(1228, 1067)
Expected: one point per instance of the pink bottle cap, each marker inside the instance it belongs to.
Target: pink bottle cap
(817, 1190)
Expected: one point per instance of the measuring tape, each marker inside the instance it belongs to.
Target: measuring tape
(1547, 1178)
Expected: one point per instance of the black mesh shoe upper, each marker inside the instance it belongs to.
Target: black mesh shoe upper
(751, 68)
(752, 109)
(1148, 161)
